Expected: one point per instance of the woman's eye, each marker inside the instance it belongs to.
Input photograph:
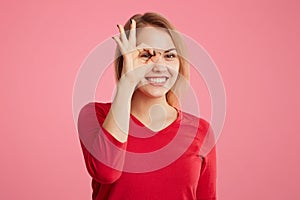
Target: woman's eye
(171, 55)
(145, 55)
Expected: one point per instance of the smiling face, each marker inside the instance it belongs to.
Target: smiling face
(157, 49)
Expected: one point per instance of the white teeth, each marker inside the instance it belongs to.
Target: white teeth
(157, 80)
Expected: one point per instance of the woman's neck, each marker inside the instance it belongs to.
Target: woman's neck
(153, 112)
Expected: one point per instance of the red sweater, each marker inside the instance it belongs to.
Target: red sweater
(184, 170)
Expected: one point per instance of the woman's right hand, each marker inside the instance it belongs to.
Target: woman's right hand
(132, 71)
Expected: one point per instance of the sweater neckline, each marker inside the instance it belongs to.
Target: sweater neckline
(140, 124)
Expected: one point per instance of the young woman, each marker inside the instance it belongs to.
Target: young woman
(145, 119)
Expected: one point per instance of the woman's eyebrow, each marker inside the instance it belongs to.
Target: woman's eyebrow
(170, 50)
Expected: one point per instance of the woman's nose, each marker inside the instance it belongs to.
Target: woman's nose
(159, 67)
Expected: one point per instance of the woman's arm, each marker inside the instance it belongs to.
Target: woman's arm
(103, 154)
(206, 189)
(117, 120)
(104, 131)
(104, 162)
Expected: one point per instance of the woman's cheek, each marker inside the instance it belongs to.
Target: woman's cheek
(173, 68)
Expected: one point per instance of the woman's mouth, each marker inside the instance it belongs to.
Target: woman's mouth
(157, 81)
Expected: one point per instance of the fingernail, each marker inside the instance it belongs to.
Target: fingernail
(154, 53)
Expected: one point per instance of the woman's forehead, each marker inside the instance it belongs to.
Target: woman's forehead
(152, 37)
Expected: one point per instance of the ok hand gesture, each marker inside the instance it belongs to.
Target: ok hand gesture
(132, 70)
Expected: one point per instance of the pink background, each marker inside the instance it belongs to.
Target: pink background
(254, 43)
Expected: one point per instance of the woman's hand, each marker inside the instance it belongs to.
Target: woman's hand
(132, 72)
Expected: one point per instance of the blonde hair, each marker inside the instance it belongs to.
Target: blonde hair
(157, 20)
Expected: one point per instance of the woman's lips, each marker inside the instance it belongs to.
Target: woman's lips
(157, 81)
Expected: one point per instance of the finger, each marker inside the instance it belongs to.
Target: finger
(132, 33)
(136, 74)
(122, 33)
(142, 70)
(152, 52)
(119, 43)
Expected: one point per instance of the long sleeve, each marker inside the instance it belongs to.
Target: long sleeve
(206, 189)
(103, 154)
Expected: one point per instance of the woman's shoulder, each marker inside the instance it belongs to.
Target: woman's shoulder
(192, 120)
(98, 106)
(100, 109)
(205, 135)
